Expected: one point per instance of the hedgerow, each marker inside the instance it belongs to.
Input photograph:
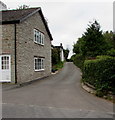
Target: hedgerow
(100, 73)
(111, 52)
(78, 60)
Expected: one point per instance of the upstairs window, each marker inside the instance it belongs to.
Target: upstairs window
(38, 64)
(38, 37)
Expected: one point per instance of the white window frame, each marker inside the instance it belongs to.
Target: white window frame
(5, 62)
(38, 37)
(42, 64)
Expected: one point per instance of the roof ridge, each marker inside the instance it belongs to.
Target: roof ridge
(17, 16)
(21, 9)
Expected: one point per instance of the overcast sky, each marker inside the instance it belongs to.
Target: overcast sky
(68, 20)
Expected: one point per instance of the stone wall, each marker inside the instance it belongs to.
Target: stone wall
(27, 49)
(8, 43)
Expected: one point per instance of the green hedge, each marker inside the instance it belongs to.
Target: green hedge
(100, 73)
(111, 52)
(57, 66)
(78, 60)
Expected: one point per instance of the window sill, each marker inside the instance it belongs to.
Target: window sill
(39, 44)
(39, 70)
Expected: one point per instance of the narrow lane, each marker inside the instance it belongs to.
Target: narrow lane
(59, 95)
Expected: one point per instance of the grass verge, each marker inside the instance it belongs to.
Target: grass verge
(57, 66)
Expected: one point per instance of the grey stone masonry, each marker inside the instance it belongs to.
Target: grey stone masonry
(26, 48)
(8, 46)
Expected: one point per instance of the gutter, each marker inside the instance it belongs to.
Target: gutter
(15, 50)
(9, 22)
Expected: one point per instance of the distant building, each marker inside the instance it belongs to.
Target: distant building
(2, 6)
(61, 51)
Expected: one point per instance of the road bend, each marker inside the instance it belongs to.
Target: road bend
(57, 96)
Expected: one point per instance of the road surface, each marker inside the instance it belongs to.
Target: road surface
(58, 96)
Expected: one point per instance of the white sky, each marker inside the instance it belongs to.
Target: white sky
(68, 20)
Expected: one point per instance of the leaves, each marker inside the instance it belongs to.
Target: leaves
(55, 56)
(92, 42)
(66, 53)
(23, 7)
(100, 72)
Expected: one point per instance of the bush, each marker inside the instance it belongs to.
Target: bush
(57, 66)
(100, 73)
(55, 56)
(78, 60)
(111, 52)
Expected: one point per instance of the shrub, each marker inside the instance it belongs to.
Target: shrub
(78, 60)
(57, 66)
(100, 73)
(55, 56)
(111, 52)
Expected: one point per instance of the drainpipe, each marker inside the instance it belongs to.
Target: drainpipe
(15, 50)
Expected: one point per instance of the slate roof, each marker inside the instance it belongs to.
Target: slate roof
(57, 46)
(13, 15)
(61, 46)
(17, 16)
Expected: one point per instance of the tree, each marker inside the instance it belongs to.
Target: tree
(23, 7)
(66, 53)
(114, 40)
(92, 42)
(77, 46)
(55, 56)
(110, 39)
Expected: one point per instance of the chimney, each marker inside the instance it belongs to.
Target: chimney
(61, 44)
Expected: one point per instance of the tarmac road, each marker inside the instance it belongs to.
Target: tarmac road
(58, 96)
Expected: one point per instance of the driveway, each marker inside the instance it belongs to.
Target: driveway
(58, 96)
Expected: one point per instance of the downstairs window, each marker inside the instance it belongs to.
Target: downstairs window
(38, 64)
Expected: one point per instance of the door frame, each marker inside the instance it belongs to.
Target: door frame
(9, 68)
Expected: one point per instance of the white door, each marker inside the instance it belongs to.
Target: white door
(5, 68)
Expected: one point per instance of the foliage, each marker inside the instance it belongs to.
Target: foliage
(69, 60)
(97, 70)
(113, 40)
(92, 42)
(77, 47)
(57, 66)
(55, 56)
(23, 7)
(72, 58)
(110, 39)
(78, 60)
(111, 52)
(56, 61)
(100, 73)
(66, 53)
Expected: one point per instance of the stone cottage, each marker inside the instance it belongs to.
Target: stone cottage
(26, 45)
